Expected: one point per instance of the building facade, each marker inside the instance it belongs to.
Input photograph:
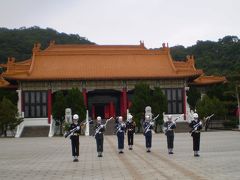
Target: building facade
(106, 75)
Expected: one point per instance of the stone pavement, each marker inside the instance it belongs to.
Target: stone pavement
(50, 158)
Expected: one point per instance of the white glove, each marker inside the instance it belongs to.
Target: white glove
(78, 127)
(151, 123)
(102, 125)
(200, 122)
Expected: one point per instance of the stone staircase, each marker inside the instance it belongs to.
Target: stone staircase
(35, 131)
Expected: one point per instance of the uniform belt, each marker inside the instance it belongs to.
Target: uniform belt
(75, 134)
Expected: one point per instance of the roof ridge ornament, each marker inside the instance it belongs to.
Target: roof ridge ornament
(11, 60)
(52, 43)
(190, 59)
(142, 43)
(165, 46)
(36, 47)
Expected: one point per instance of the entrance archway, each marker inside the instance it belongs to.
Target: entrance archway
(104, 103)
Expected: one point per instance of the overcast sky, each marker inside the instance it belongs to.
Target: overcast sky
(178, 22)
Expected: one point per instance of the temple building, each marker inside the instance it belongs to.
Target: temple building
(106, 75)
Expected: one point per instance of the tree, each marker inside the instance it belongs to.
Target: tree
(142, 97)
(193, 96)
(18, 43)
(208, 106)
(59, 106)
(75, 101)
(217, 91)
(9, 94)
(159, 105)
(9, 117)
(218, 58)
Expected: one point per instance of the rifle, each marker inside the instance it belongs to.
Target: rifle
(209, 117)
(148, 126)
(134, 125)
(207, 121)
(171, 124)
(104, 125)
(75, 129)
(120, 126)
(195, 127)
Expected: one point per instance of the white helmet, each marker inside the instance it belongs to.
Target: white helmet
(195, 115)
(120, 119)
(130, 117)
(147, 117)
(75, 117)
(99, 119)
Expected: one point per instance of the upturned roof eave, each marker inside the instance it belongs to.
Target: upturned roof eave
(102, 78)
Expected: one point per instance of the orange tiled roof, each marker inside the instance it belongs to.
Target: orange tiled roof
(187, 66)
(207, 80)
(87, 62)
(3, 82)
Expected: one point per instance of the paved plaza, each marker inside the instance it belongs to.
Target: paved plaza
(50, 158)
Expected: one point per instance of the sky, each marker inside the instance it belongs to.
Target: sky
(176, 22)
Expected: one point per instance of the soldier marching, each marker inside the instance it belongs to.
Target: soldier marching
(75, 130)
(120, 132)
(130, 128)
(169, 127)
(196, 126)
(99, 130)
(147, 132)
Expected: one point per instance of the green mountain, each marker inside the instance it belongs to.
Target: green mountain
(215, 58)
(18, 43)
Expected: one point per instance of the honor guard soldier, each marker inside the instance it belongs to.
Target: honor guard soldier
(169, 127)
(130, 127)
(75, 137)
(120, 131)
(100, 128)
(196, 126)
(148, 126)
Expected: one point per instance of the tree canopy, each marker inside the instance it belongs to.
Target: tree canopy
(144, 96)
(193, 96)
(9, 94)
(207, 106)
(18, 43)
(73, 99)
(9, 117)
(215, 58)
